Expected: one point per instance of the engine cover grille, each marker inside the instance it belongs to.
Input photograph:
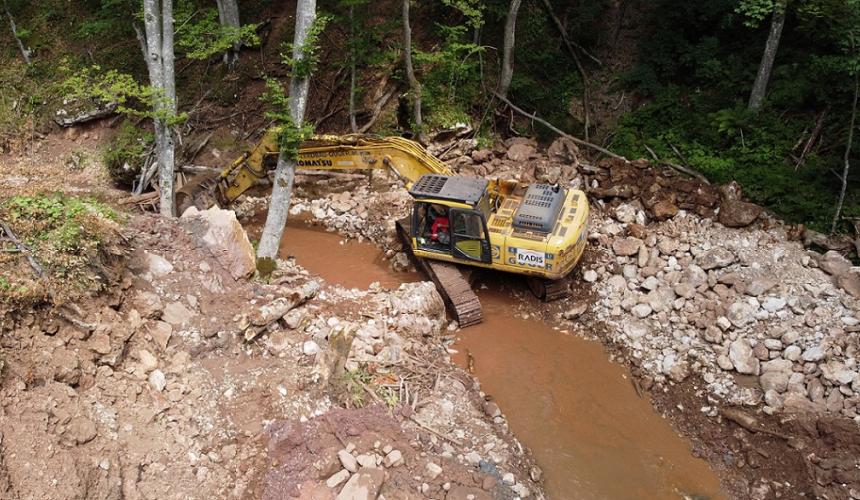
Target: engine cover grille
(540, 208)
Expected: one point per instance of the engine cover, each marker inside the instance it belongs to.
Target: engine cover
(539, 208)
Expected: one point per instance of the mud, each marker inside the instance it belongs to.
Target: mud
(578, 412)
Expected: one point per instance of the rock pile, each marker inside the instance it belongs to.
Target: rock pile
(692, 296)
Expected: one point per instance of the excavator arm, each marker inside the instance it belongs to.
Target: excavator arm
(408, 159)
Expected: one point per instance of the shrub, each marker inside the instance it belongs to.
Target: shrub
(126, 154)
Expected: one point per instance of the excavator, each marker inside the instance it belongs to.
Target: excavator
(457, 223)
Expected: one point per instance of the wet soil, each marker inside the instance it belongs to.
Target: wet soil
(579, 413)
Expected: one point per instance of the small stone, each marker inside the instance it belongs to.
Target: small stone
(740, 314)
(393, 459)
(148, 362)
(366, 460)
(347, 460)
(472, 458)
(157, 265)
(492, 410)
(813, 354)
(157, 380)
(759, 286)
(791, 353)
(310, 348)
(337, 478)
(576, 311)
(590, 276)
(650, 283)
(742, 357)
(432, 470)
(82, 430)
(715, 259)
(626, 247)
(773, 304)
(177, 314)
(161, 331)
(642, 310)
(509, 478)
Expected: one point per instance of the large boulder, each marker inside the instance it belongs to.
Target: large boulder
(220, 232)
(520, 152)
(833, 263)
(563, 150)
(734, 212)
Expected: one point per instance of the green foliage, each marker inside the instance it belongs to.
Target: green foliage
(71, 238)
(304, 65)
(111, 86)
(207, 37)
(125, 155)
(755, 11)
(290, 135)
(354, 383)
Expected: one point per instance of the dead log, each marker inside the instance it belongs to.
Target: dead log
(270, 313)
(679, 168)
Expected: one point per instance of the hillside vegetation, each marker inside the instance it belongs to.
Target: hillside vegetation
(667, 80)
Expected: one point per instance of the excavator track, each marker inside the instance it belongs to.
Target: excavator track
(456, 291)
(549, 290)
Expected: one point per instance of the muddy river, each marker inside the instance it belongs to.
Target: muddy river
(593, 436)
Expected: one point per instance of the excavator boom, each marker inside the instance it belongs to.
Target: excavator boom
(347, 152)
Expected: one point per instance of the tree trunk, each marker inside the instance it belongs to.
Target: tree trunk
(24, 52)
(414, 85)
(352, 123)
(158, 21)
(760, 86)
(567, 43)
(228, 14)
(847, 163)
(282, 189)
(508, 49)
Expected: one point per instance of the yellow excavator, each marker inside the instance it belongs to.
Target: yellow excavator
(457, 222)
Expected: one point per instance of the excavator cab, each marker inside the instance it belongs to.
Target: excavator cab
(449, 218)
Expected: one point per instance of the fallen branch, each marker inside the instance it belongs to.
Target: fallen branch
(558, 130)
(679, 168)
(377, 111)
(435, 432)
(748, 422)
(23, 249)
(816, 131)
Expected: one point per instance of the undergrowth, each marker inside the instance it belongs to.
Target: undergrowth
(75, 241)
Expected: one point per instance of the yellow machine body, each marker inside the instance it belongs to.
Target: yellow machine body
(496, 241)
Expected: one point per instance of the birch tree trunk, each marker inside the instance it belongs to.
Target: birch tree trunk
(158, 23)
(764, 69)
(25, 53)
(282, 189)
(508, 49)
(847, 163)
(228, 14)
(414, 84)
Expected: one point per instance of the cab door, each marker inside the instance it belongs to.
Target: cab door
(470, 238)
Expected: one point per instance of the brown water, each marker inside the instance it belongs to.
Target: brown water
(350, 263)
(593, 436)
